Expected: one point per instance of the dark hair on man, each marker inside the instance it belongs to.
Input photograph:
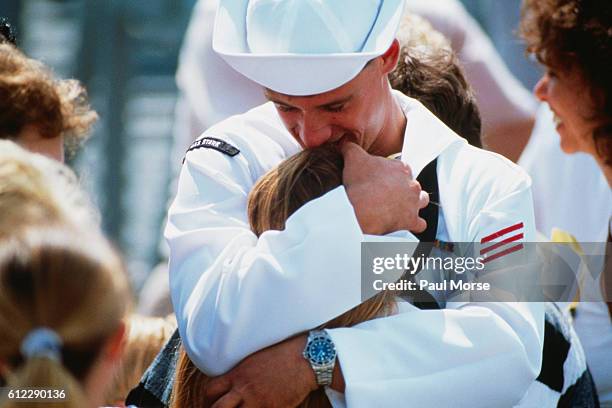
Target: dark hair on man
(429, 71)
(576, 34)
(7, 34)
(439, 84)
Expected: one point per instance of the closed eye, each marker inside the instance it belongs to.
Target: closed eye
(335, 108)
(284, 108)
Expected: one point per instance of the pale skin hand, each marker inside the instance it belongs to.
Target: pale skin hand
(383, 193)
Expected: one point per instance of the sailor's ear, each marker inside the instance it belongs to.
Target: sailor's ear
(390, 57)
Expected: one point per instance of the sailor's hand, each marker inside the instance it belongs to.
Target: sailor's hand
(278, 376)
(383, 193)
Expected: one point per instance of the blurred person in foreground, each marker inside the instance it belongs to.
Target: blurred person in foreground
(38, 191)
(37, 110)
(63, 289)
(35, 189)
(573, 40)
(59, 333)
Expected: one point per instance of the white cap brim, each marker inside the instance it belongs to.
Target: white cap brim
(299, 74)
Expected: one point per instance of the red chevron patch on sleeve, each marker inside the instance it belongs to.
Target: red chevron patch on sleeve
(509, 235)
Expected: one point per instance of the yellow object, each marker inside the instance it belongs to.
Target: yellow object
(564, 237)
(560, 236)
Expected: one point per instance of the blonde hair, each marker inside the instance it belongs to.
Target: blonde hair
(146, 337)
(305, 176)
(35, 189)
(31, 95)
(70, 282)
(419, 39)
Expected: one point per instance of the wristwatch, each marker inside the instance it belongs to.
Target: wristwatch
(321, 354)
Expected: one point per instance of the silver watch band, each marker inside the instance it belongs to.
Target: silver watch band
(323, 372)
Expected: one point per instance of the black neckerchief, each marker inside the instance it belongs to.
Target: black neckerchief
(428, 178)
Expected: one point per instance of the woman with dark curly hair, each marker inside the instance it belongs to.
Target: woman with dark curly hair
(37, 110)
(573, 40)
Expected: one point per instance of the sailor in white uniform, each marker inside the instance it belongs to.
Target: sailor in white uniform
(235, 294)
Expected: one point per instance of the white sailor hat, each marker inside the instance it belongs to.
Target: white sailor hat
(304, 47)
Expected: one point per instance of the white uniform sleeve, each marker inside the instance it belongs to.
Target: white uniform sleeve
(234, 294)
(470, 354)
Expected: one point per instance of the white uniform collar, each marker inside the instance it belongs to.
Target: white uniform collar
(425, 136)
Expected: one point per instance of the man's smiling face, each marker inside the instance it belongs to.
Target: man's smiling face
(356, 111)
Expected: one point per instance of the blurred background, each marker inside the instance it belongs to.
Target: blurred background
(125, 52)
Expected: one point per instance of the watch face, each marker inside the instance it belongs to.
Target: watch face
(321, 351)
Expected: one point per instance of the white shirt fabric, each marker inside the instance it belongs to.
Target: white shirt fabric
(571, 193)
(234, 294)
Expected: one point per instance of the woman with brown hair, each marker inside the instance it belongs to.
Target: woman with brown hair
(573, 40)
(279, 193)
(37, 110)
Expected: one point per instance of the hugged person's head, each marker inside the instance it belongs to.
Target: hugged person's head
(573, 39)
(63, 295)
(282, 191)
(37, 110)
(429, 71)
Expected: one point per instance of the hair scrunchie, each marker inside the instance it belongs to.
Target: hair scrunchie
(42, 342)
